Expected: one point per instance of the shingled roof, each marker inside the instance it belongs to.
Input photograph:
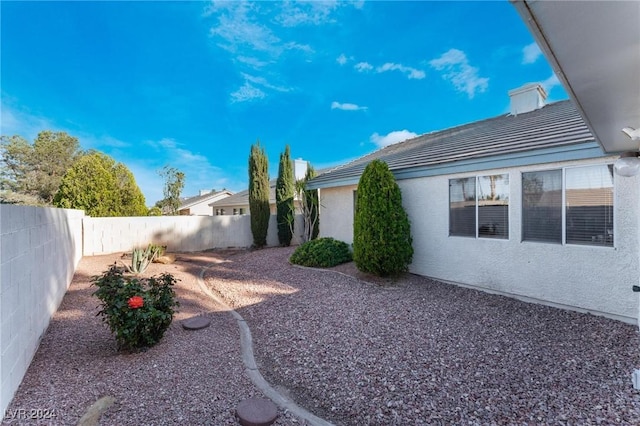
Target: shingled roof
(555, 125)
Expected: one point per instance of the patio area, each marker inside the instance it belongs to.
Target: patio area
(353, 352)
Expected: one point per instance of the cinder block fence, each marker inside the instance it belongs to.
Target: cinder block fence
(40, 249)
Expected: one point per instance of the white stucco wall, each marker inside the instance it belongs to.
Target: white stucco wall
(336, 213)
(40, 249)
(104, 235)
(596, 279)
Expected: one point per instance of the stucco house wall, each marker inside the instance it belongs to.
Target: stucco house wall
(336, 213)
(589, 278)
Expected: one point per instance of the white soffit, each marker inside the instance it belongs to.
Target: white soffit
(594, 48)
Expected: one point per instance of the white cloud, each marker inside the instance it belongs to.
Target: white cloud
(347, 106)
(412, 73)
(307, 13)
(550, 83)
(342, 59)
(16, 121)
(456, 69)
(392, 137)
(261, 81)
(531, 53)
(363, 66)
(247, 93)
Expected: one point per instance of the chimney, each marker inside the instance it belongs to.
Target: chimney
(527, 98)
(299, 168)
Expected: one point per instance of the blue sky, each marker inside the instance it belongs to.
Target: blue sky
(194, 84)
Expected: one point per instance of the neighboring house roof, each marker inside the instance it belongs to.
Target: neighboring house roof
(555, 128)
(192, 201)
(242, 198)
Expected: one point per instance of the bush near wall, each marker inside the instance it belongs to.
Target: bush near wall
(322, 252)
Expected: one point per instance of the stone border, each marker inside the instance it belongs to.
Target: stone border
(251, 368)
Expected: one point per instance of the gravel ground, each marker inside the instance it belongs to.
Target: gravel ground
(416, 351)
(189, 378)
(354, 352)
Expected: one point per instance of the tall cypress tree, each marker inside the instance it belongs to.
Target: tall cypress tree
(284, 198)
(259, 194)
(381, 229)
(311, 203)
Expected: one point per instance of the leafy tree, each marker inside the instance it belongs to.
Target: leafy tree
(101, 187)
(310, 205)
(259, 194)
(173, 185)
(31, 174)
(285, 209)
(382, 232)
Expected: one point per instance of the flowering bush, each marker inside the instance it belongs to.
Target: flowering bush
(137, 310)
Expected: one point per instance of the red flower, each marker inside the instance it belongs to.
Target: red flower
(136, 302)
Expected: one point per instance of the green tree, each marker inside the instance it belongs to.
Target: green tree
(101, 187)
(31, 174)
(381, 230)
(310, 205)
(173, 185)
(259, 194)
(285, 188)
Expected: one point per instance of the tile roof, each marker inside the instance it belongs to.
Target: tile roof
(554, 125)
(190, 201)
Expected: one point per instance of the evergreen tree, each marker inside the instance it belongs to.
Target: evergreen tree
(259, 194)
(381, 230)
(285, 208)
(101, 187)
(31, 174)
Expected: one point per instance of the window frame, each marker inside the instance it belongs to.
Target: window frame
(563, 207)
(477, 235)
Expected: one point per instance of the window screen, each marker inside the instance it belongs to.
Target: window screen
(493, 206)
(462, 207)
(542, 206)
(589, 205)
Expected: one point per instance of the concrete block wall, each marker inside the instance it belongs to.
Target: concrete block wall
(105, 235)
(39, 252)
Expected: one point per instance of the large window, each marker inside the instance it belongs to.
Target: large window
(479, 206)
(572, 205)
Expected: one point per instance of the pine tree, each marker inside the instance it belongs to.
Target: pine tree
(259, 194)
(285, 208)
(382, 232)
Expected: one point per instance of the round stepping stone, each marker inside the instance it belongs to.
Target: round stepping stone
(256, 412)
(196, 323)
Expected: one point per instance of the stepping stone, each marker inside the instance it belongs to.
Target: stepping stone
(256, 412)
(196, 323)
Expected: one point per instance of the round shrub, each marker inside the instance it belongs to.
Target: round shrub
(137, 310)
(322, 252)
(381, 228)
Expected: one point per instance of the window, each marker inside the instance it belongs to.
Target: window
(479, 206)
(241, 211)
(235, 212)
(570, 206)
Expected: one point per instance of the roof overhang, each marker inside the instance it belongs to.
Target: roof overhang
(594, 49)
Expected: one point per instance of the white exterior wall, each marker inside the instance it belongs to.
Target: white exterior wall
(40, 249)
(179, 233)
(595, 279)
(336, 213)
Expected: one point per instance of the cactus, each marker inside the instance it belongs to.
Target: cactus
(141, 258)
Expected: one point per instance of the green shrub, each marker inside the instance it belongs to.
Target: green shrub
(381, 229)
(137, 310)
(323, 252)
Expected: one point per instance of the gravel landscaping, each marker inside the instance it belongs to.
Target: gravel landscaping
(352, 351)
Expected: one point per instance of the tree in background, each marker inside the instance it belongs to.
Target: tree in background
(173, 185)
(285, 188)
(259, 194)
(381, 229)
(101, 187)
(310, 205)
(31, 174)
